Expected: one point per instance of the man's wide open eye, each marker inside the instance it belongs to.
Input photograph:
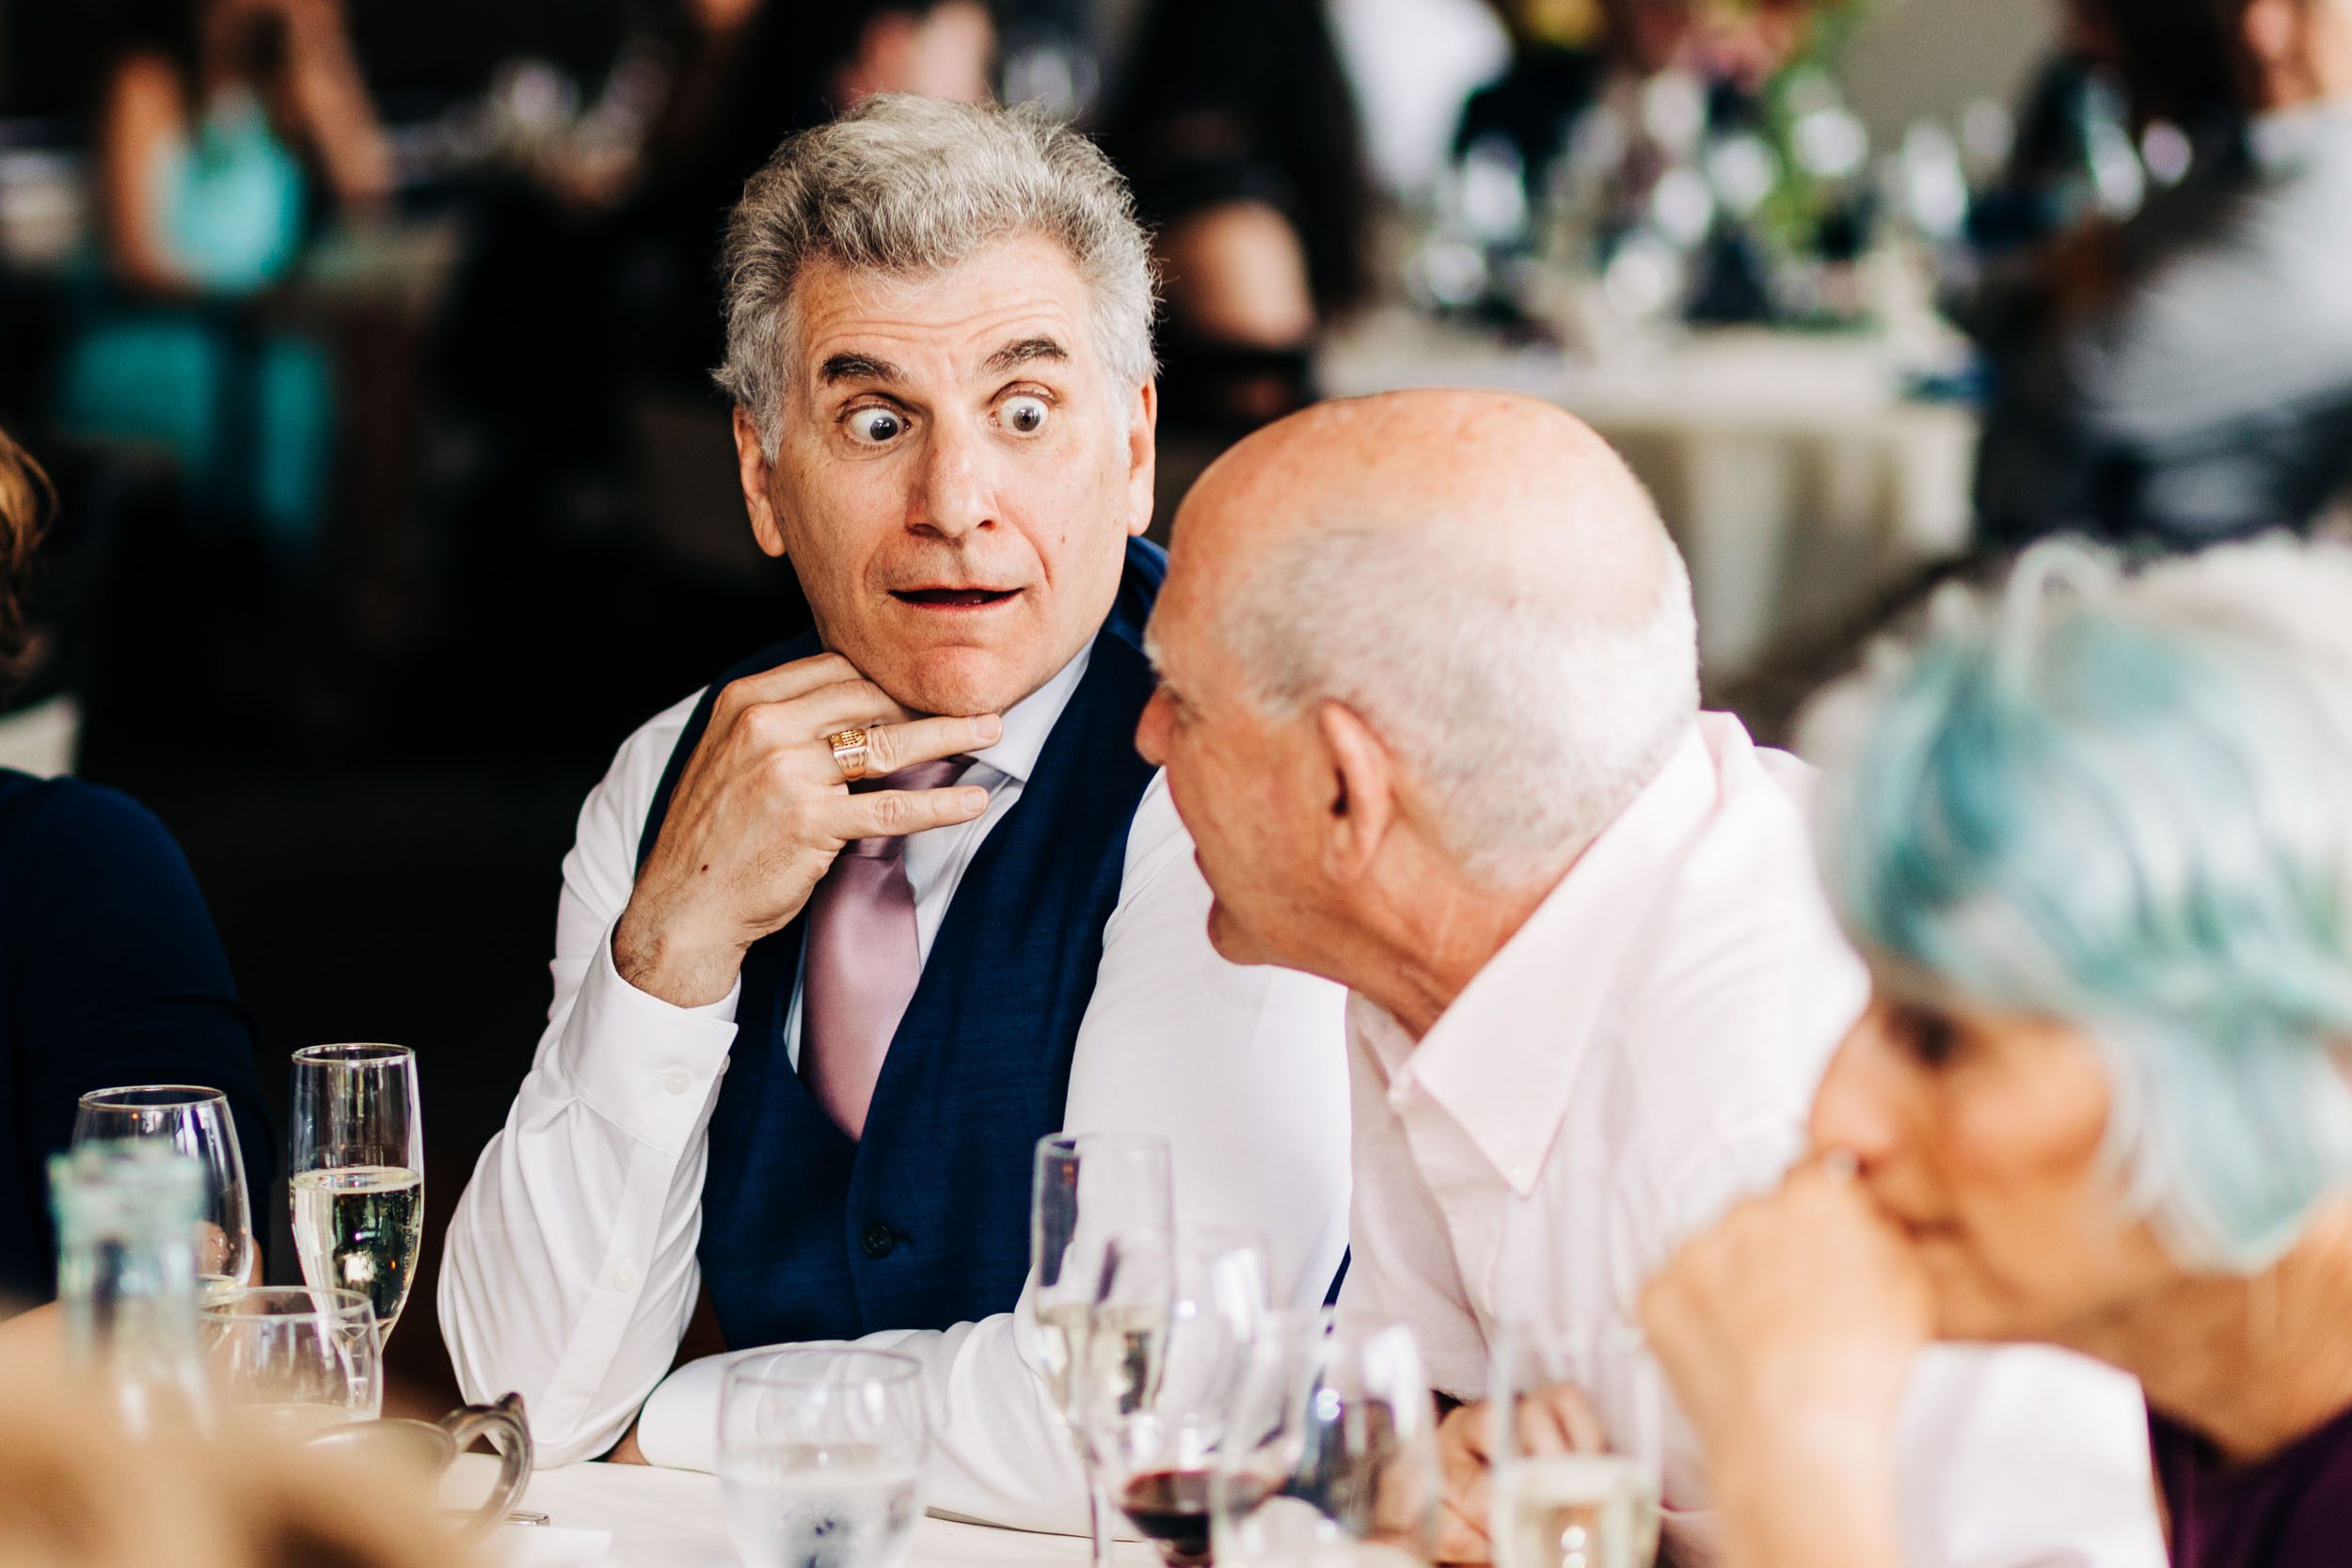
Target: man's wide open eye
(875, 427)
(1022, 416)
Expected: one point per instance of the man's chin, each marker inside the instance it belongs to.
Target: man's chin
(958, 681)
(1231, 939)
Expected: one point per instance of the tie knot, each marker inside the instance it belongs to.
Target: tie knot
(922, 775)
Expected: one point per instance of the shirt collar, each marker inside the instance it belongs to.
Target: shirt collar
(1030, 720)
(1503, 1060)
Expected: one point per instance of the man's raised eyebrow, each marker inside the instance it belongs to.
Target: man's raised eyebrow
(858, 367)
(1024, 351)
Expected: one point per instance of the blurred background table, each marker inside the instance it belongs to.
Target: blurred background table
(631, 1516)
(1798, 477)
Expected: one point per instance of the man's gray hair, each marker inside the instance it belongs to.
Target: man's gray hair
(1530, 724)
(906, 186)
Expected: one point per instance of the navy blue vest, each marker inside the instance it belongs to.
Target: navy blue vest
(924, 1222)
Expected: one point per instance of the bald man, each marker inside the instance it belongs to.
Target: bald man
(1429, 705)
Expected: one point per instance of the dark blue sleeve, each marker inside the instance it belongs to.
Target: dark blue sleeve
(113, 975)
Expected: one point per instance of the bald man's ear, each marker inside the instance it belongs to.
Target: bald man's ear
(1362, 807)
(1143, 425)
(753, 470)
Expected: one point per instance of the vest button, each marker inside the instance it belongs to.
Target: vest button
(877, 1240)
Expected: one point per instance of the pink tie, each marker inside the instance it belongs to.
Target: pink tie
(862, 964)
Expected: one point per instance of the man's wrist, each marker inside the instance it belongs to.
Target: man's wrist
(655, 960)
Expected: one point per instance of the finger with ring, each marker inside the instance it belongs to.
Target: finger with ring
(849, 752)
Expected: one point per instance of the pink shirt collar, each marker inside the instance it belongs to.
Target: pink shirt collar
(1508, 1084)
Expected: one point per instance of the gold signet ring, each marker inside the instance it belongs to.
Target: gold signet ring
(849, 752)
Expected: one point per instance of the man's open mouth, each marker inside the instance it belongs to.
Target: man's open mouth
(953, 598)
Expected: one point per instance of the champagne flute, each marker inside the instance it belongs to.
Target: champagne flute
(1553, 1507)
(822, 1455)
(1088, 1188)
(1155, 1430)
(356, 1172)
(1330, 1452)
(195, 1121)
(296, 1358)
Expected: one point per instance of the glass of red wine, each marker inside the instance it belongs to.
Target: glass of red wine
(1189, 1304)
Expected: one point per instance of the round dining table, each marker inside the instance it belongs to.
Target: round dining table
(634, 1517)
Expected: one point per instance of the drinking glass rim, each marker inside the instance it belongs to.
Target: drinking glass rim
(356, 1053)
(763, 1370)
(1073, 1143)
(344, 1301)
(192, 1095)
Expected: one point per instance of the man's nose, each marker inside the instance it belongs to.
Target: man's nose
(958, 493)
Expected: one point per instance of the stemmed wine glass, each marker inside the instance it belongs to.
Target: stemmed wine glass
(356, 1172)
(1154, 1432)
(1552, 1506)
(1330, 1452)
(1090, 1188)
(298, 1358)
(195, 1121)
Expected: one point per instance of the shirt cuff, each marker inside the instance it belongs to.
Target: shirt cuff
(679, 1426)
(648, 1068)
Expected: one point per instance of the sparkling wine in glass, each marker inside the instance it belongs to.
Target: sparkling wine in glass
(1552, 1506)
(293, 1358)
(820, 1457)
(1329, 1458)
(195, 1121)
(1090, 1188)
(356, 1172)
(1154, 1436)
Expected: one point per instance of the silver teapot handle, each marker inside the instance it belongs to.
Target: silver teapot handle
(502, 1423)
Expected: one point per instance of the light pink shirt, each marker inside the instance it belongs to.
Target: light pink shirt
(1641, 1055)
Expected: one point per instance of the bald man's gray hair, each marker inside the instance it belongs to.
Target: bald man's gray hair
(1530, 725)
(904, 187)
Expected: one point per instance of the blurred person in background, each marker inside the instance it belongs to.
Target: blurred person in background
(226, 130)
(110, 971)
(2091, 838)
(1236, 123)
(1429, 703)
(805, 1039)
(2187, 378)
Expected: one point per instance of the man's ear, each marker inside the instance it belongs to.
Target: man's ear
(1143, 425)
(1362, 781)
(753, 467)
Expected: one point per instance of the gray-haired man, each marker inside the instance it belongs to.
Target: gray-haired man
(805, 1035)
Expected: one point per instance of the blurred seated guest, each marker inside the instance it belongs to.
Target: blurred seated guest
(225, 127)
(805, 1035)
(1238, 127)
(2091, 839)
(2070, 125)
(1429, 703)
(110, 972)
(2188, 377)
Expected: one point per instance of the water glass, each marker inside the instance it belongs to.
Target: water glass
(356, 1172)
(296, 1358)
(1554, 1507)
(1330, 1452)
(195, 1121)
(1088, 1189)
(820, 1457)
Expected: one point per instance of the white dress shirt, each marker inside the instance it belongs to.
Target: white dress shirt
(570, 1272)
(1639, 1056)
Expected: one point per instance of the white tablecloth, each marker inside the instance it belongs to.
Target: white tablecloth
(1795, 475)
(630, 1517)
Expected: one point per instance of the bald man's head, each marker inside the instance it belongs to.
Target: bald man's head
(1477, 577)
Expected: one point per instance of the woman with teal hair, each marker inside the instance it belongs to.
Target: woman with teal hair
(2095, 840)
(222, 124)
